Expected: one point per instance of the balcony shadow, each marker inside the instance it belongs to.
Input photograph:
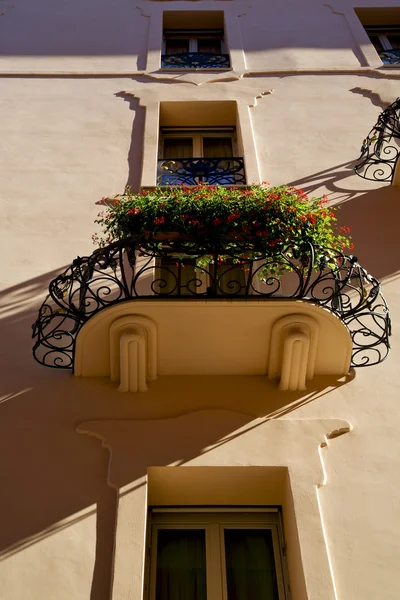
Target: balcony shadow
(53, 474)
(372, 216)
(338, 180)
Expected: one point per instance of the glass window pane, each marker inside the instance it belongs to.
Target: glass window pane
(394, 40)
(231, 279)
(178, 147)
(376, 42)
(178, 277)
(181, 564)
(215, 147)
(250, 565)
(209, 45)
(176, 46)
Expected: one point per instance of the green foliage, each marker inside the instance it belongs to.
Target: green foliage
(266, 219)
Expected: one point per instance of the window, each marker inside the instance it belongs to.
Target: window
(213, 555)
(181, 41)
(181, 275)
(383, 28)
(194, 40)
(179, 142)
(386, 40)
(191, 156)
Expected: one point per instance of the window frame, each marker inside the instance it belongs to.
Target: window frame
(384, 36)
(197, 134)
(192, 37)
(214, 521)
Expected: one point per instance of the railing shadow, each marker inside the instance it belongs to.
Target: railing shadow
(52, 473)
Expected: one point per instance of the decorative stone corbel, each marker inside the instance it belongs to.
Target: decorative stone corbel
(293, 350)
(133, 352)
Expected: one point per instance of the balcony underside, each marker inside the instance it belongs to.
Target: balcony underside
(216, 310)
(211, 337)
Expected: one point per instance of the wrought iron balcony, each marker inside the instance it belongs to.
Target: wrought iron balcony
(195, 60)
(390, 57)
(193, 171)
(380, 150)
(175, 269)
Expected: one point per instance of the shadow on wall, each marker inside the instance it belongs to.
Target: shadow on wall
(135, 155)
(333, 179)
(120, 28)
(52, 473)
(372, 216)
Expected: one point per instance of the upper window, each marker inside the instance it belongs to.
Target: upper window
(217, 556)
(194, 40)
(386, 39)
(383, 28)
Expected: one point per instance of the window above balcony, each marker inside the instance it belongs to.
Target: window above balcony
(190, 156)
(194, 49)
(194, 40)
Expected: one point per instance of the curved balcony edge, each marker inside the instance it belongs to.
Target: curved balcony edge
(175, 269)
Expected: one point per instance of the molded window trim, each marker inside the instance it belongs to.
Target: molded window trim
(232, 37)
(214, 522)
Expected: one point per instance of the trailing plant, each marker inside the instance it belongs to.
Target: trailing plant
(243, 222)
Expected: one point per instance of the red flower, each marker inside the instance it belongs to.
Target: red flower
(217, 221)
(133, 211)
(159, 220)
(233, 217)
(312, 219)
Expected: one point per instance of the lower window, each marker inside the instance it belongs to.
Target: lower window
(216, 556)
(181, 276)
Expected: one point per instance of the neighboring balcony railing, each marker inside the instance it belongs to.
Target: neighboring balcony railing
(175, 269)
(390, 57)
(195, 60)
(193, 171)
(380, 151)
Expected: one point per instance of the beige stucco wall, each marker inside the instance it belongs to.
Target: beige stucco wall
(77, 106)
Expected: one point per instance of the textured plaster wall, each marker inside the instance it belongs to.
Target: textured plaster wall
(76, 105)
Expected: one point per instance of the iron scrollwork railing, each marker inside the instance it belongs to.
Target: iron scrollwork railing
(192, 171)
(195, 60)
(176, 269)
(381, 148)
(390, 57)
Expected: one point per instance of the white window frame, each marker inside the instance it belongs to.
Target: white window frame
(193, 41)
(214, 521)
(197, 135)
(383, 38)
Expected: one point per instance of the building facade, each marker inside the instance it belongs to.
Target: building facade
(216, 482)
